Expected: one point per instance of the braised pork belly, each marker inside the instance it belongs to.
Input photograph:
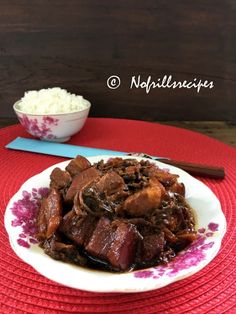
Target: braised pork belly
(118, 215)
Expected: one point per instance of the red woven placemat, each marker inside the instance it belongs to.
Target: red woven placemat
(212, 290)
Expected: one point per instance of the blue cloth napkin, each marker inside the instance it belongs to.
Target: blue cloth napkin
(58, 149)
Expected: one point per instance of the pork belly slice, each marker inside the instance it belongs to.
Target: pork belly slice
(114, 242)
(142, 203)
(80, 180)
(78, 228)
(110, 183)
(122, 252)
(49, 216)
(59, 178)
(77, 165)
(101, 239)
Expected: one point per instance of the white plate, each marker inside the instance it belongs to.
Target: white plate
(211, 226)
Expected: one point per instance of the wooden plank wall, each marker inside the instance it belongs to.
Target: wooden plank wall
(78, 44)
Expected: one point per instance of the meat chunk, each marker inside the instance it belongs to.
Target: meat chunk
(152, 245)
(110, 183)
(166, 178)
(80, 180)
(121, 254)
(78, 228)
(101, 239)
(59, 179)
(113, 162)
(58, 250)
(77, 165)
(143, 203)
(114, 242)
(50, 215)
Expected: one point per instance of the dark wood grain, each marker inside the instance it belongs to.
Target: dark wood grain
(78, 44)
(197, 169)
(220, 130)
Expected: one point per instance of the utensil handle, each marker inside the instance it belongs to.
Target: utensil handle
(197, 169)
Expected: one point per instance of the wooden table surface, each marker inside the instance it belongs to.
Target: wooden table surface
(223, 131)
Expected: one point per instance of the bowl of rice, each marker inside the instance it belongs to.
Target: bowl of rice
(52, 114)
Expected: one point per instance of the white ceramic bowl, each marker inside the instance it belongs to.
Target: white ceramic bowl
(53, 127)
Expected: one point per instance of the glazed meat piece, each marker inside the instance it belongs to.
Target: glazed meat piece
(78, 164)
(78, 228)
(122, 251)
(166, 178)
(60, 179)
(110, 183)
(58, 250)
(50, 215)
(114, 242)
(144, 202)
(101, 239)
(80, 180)
(152, 246)
(112, 163)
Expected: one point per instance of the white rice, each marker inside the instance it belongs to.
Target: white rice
(51, 101)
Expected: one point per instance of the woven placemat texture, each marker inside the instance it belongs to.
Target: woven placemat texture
(212, 290)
